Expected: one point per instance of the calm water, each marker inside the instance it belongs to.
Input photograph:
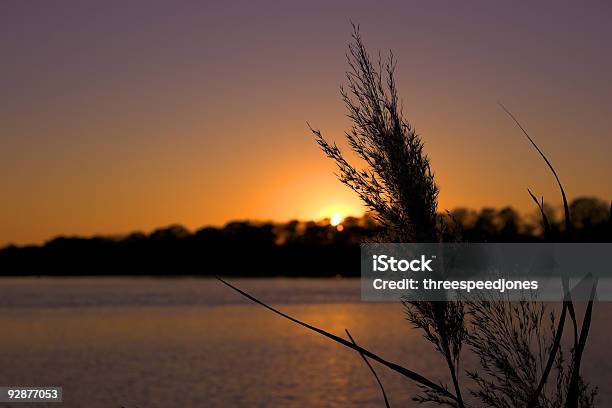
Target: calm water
(133, 342)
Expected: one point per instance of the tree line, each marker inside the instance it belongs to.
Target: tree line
(295, 248)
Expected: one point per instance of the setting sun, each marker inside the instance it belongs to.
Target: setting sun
(336, 219)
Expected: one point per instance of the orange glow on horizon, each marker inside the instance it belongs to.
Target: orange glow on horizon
(203, 120)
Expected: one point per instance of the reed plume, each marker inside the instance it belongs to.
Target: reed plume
(518, 345)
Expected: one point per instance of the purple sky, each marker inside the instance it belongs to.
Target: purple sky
(125, 115)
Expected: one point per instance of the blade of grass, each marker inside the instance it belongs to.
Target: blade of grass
(545, 222)
(565, 281)
(416, 377)
(568, 226)
(568, 223)
(382, 389)
(570, 307)
(573, 388)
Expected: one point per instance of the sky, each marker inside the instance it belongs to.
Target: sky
(120, 116)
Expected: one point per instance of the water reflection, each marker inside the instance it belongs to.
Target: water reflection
(187, 353)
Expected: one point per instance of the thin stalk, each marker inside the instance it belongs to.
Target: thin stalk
(568, 225)
(382, 389)
(573, 389)
(545, 222)
(416, 377)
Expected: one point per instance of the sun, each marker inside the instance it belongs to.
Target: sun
(336, 219)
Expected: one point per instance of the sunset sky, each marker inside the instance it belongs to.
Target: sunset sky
(130, 115)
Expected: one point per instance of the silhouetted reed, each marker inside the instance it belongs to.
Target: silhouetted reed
(518, 345)
(398, 186)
